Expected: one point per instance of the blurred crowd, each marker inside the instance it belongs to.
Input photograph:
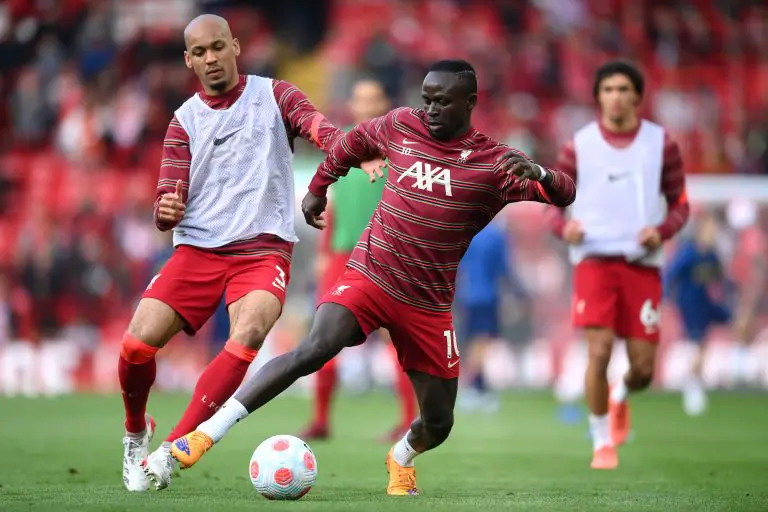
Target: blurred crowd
(88, 88)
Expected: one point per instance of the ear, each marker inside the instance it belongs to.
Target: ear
(472, 101)
(187, 60)
(236, 46)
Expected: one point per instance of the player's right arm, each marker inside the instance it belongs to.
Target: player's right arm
(174, 177)
(366, 141)
(569, 230)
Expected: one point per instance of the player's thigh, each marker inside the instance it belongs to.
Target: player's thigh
(436, 396)
(426, 341)
(154, 322)
(252, 316)
(358, 296)
(334, 328)
(595, 294)
(639, 304)
(191, 283)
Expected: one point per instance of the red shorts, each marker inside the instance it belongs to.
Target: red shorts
(425, 340)
(337, 265)
(193, 281)
(612, 293)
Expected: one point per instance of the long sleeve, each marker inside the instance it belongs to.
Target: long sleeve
(365, 141)
(673, 188)
(174, 166)
(566, 162)
(557, 188)
(302, 119)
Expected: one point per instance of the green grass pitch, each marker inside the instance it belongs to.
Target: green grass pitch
(66, 454)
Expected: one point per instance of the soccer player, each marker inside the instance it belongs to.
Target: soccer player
(626, 169)
(446, 181)
(353, 203)
(483, 273)
(226, 190)
(696, 280)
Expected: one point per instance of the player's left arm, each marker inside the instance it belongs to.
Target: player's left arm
(302, 119)
(673, 189)
(528, 181)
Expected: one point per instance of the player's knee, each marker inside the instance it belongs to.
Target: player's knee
(154, 323)
(438, 427)
(251, 335)
(147, 333)
(311, 355)
(642, 374)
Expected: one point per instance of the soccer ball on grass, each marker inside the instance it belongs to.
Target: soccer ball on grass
(283, 468)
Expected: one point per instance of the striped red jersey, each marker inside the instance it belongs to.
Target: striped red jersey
(672, 180)
(301, 119)
(438, 195)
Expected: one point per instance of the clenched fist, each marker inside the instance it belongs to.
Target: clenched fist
(573, 232)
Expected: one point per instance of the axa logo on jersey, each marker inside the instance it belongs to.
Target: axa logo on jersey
(426, 175)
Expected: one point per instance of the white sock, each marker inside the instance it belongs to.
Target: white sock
(620, 391)
(601, 433)
(403, 453)
(225, 418)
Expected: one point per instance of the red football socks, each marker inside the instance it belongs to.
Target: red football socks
(325, 385)
(215, 386)
(136, 369)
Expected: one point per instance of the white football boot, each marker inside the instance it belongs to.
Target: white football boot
(136, 449)
(159, 466)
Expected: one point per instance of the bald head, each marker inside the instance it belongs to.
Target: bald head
(206, 24)
(212, 53)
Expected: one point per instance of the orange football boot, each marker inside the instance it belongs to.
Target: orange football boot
(190, 448)
(402, 480)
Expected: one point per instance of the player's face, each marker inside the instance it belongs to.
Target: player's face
(707, 233)
(617, 97)
(211, 53)
(368, 101)
(448, 105)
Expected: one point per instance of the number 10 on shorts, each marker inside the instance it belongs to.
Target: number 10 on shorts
(451, 344)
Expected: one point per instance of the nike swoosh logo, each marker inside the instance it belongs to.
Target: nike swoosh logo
(409, 142)
(453, 363)
(222, 140)
(616, 177)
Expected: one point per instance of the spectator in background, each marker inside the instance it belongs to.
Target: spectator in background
(484, 273)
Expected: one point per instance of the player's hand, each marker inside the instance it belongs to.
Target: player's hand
(313, 207)
(650, 238)
(515, 163)
(171, 207)
(573, 232)
(373, 168)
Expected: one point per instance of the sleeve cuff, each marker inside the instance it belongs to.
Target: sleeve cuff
(318, 186)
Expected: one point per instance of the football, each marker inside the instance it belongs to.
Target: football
(283, 468)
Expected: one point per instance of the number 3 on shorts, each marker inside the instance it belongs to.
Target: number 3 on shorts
(279, 281)
(451, 344)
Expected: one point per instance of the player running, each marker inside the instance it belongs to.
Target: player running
(695, 278)
(628, 168)
(353, 203)
(226, 190)
(446, 182)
